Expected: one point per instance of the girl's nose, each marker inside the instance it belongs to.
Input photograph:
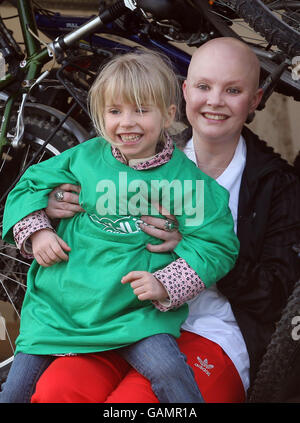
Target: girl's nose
(127, 119)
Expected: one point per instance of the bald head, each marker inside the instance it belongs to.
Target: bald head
(227, 51)
(221, 90)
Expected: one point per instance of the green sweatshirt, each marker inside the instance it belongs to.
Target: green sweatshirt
(80, 305)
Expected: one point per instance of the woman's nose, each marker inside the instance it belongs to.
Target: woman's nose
(215, 98)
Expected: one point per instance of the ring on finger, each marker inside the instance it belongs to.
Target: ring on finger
(170, 225)
(59, 195)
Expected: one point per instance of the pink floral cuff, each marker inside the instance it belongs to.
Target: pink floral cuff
(181, 282)
(26, 227)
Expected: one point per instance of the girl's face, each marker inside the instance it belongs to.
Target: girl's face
(135, 131)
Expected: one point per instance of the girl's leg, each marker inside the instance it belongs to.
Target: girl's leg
(220, 383)
(215, 373)
(158, 359)
(84, 378)
(22, 377)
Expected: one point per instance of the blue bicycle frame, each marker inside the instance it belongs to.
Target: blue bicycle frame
(58, 24)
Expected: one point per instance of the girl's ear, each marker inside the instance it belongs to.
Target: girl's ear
(184, 84)
(170, 117)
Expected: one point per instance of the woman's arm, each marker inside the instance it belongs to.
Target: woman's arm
(267, 269)
(66, 208)
(179, 279)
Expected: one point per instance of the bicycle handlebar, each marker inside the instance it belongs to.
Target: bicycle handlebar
(110, 14)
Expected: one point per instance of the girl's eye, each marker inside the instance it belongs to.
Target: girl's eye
(233, 91)
(141, 110)
(114, 111)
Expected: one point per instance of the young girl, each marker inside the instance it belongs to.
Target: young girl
(87, 302)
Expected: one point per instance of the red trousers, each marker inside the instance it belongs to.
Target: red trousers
(106, 377)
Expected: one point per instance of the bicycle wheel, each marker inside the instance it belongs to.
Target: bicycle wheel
(277, 21)
(266, 26)
(13, 266)
(276, 374)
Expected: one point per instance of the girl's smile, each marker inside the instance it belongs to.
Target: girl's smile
(135, 131)
(130, 138)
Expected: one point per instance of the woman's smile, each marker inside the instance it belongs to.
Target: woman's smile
(215, 117)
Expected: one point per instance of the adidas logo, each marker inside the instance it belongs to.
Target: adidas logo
(203, 365)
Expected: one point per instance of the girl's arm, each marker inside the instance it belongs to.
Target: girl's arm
(41, 219)
(23, 230)
(168, 288)
(181, 283)
(48, 248)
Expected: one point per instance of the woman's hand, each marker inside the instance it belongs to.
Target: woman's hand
(66, 208)
(48, 248)
(157, 230)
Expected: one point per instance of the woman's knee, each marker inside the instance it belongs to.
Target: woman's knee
(80, 379)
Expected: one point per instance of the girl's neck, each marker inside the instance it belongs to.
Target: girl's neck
(214, 157)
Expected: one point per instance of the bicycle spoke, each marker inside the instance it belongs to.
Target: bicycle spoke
(15, 259)
(9, 297)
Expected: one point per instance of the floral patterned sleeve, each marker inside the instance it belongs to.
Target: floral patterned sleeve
(26, 227)
(181, 282)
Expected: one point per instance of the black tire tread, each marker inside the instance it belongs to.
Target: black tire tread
(278, 359)
(275, 31)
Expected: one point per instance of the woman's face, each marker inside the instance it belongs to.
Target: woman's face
(220, 93)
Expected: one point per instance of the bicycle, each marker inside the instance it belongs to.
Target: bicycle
(46, 125)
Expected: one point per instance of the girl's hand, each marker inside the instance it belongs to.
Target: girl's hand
(158, 231)
(66, 208)
(48, 248)
(145, 286)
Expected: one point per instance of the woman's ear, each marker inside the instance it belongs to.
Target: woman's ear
(255, 100)
(170, 116)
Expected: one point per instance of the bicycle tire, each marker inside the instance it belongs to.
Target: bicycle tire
(262, 20)
(250, 15)
(12, 271)
(277, 365)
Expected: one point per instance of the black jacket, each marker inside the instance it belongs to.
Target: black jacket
(268, 226)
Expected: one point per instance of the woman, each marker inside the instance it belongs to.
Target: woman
(228, 328)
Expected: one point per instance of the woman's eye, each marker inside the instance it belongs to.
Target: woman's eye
(233, 90)
(203, 86)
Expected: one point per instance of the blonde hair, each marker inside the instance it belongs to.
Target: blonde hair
(140, 78)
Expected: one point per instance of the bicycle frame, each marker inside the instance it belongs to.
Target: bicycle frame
(63, 23)
(36, 57)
